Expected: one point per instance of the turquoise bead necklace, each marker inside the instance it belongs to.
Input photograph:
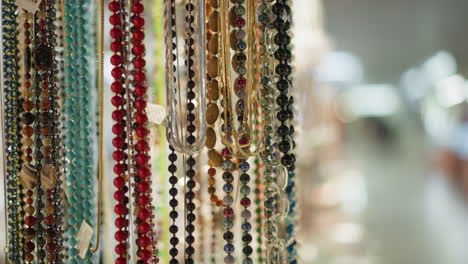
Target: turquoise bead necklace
(80, 115)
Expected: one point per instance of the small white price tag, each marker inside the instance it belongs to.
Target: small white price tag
(28, 5)
(156, 113)
(85, 234)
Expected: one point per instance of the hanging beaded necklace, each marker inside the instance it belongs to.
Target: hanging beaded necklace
(145, 238)
(237, 139)
(246, 214)
(259, 209)
(47, 223)
(119, 129)
(285, 101)
(28, 174)
(213, 69)
(227, 164)
(245, 66)
(190, 172)
(131, 154)
(276, 205)
(183, 139)
(171, 38)
(257, 131)
(80, 115)
(214, 157)
(49, 155)
(11, 126)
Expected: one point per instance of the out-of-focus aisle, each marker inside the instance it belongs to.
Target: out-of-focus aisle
(396, 168)
(379, 199)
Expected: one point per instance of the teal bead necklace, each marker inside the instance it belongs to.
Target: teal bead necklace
(80, 115)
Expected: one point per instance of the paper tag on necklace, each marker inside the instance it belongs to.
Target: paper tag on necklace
(84, 239)
(156, 114)
(29, 5)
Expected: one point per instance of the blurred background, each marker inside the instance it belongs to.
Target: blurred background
(384, 131)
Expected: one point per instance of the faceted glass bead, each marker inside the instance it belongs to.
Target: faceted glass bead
(245, 190)
(229, 248)
(239, 10)
(244, 166)
(246, 226)
(246, 214)
(228, 200)
(228, 223)
(228, 177)
(228, 188)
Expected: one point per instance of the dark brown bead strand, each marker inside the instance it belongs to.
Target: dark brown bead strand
(173, 179)
(191, 162)
(282, 10)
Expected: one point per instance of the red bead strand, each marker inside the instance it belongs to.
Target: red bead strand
(119, 129)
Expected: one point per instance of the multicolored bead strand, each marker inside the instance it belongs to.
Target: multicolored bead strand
(28, 174)
(228, 188)
(239, 59)
(51, 172)
(246, 214)
(259, 209)
(48, 141)
(226, 131)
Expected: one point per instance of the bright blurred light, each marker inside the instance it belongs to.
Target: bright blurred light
(328, 194)
(340, 67)
(371, 100)
(451, 90)
(347, 233)
(438, 122)
(353, 192)
(309, 253)
(439, 66)
(418, 81)
(415, 84)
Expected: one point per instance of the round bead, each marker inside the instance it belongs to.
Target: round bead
(229, 259)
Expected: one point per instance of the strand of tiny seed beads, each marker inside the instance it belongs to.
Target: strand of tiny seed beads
(12, 103)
